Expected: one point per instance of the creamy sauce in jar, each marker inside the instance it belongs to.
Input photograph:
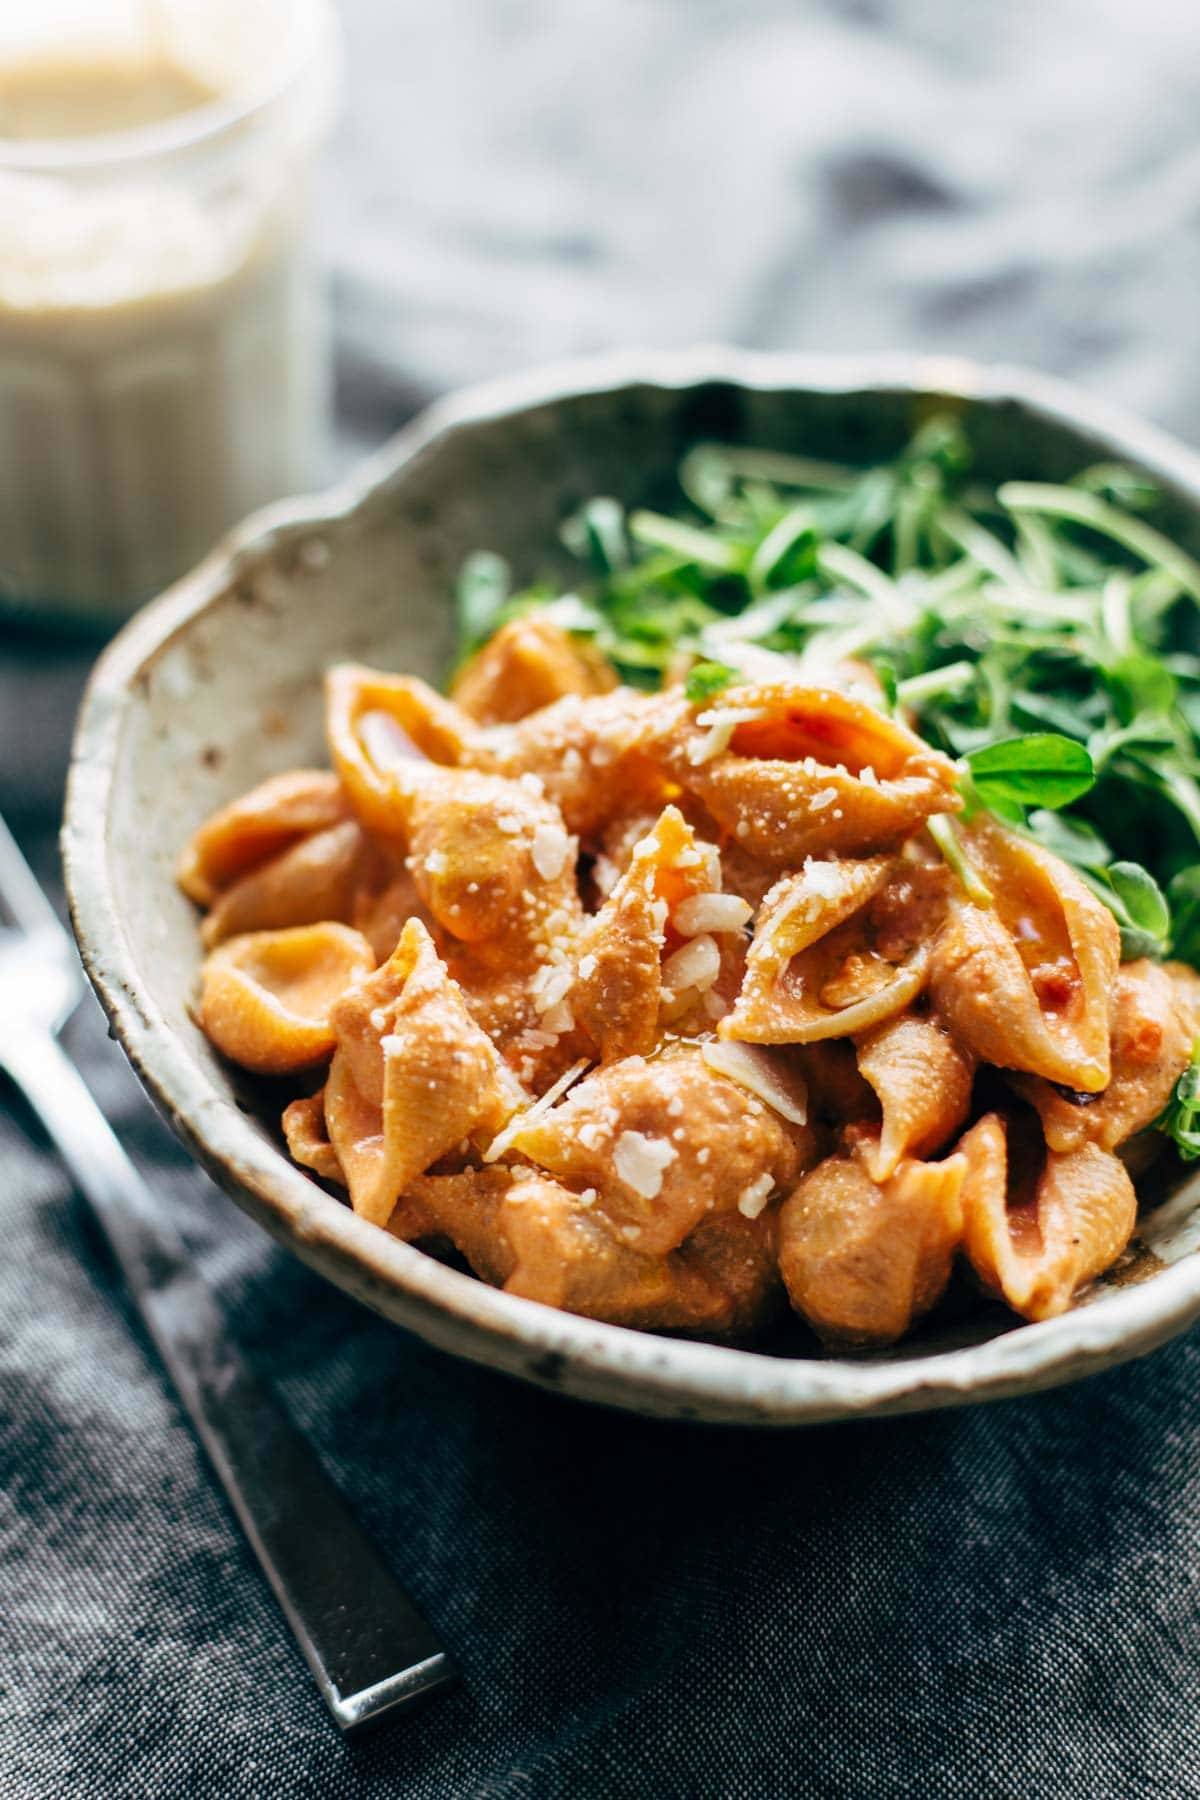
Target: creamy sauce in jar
(63, 100)
(162, 363)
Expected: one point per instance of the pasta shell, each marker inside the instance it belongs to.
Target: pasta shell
(528, 664)
(413, 1076)
(589, 755)
(1153, 1026)
(618, 987)
(923, 1081)
(308, 1140)
(827, 959)
(615, 846)
(258, 826)
(316, 879)
(542, 1241)
(539, 1240)
(739, 1259)
(461, 1207)
(1026, 983)
(267, 999)
(792, 771)
(565, 1255)
(862, 1260)
(385, 732)
(492, 861)
(385, 899)
(514, 1000)
(1036, 1249)
(665, 1143)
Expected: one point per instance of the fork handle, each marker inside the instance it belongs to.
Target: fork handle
(367, 1646)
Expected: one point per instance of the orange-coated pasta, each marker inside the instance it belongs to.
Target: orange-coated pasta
(671, 1012)
(1035, 1247)
(529, 664)
(790, 772)
(251, 830)
(412, 1076)
(1026, 981)
(267, 999)
(862, 1259)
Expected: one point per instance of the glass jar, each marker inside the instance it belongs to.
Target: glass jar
(164, 363)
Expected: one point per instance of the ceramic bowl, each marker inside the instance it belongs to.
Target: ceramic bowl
(217, 685)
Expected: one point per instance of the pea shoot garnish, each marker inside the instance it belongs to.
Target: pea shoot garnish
(1045, 635)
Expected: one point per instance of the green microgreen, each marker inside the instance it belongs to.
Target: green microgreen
(705, 679)
(1139, 907)
(484, 585)
(1045, 636)
(1042, 769)
(1180, 1119)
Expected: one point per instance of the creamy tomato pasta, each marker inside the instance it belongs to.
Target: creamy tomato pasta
(671, 1011)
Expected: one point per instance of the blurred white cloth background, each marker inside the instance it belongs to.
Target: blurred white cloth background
(518, 180)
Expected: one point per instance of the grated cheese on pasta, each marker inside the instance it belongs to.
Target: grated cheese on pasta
(640, 1160)
(753, 1199)
(721, 723)
(523, 1120)
(751, 1066)
(710, 912)
(551, 851)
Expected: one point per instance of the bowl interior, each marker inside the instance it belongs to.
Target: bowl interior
(219, 686)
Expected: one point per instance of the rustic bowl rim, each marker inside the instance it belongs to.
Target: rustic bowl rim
(636, 1370)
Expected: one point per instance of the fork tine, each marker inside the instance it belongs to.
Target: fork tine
(20, 895)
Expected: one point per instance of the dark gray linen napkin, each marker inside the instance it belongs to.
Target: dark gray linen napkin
(1000, 1602)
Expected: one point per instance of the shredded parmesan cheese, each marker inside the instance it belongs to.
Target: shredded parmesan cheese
(753, 1199)
(824, 879)
(754, 1069)
(551, 850)
(710, 912)
(640, 1160)
(722, 722)
(606, 875)
(386, 743)
(696, 965)
(549, 987)
(522, 1120)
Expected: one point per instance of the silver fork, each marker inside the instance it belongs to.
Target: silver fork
(368, 1647)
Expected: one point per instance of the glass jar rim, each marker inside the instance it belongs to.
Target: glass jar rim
(318, 42)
